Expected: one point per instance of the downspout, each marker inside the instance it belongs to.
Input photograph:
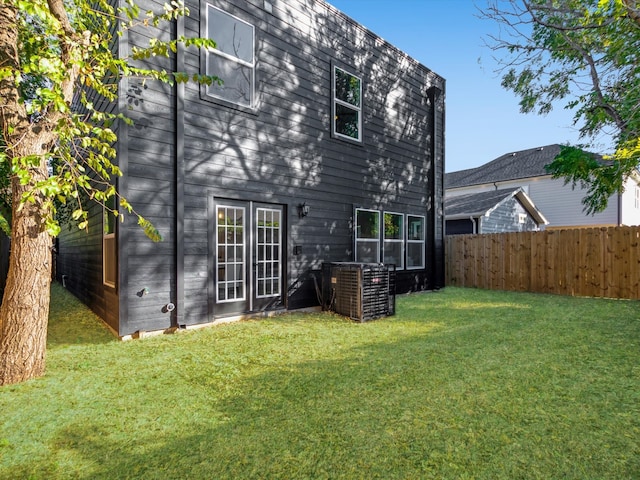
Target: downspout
(473, 225)
(433, 93)
(619, 209)
(179, 176)
(437, 225)
(122, 230)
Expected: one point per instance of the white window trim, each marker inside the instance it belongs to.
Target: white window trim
(106, 237)
(233, 58)
(400, 240)
(366, 240)
(422, 242)
(279, 243)
(345, 104)
(244, 254)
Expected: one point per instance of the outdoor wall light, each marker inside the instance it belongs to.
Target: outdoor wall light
(303, 210)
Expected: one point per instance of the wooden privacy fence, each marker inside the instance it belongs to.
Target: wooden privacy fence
(590, 262)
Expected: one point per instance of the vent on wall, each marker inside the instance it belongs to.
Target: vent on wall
(360, 291)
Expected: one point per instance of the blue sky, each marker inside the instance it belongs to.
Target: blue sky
(483, 119)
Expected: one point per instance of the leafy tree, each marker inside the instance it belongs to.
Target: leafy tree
(585, 53)
(57, 64)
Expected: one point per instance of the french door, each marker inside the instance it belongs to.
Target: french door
(248, 271)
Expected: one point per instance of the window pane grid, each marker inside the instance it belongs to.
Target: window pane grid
(347, 98)
(269, 244)
(393, 247)
(231, 254)
(367, 233)
(415, 242)
(233, 59)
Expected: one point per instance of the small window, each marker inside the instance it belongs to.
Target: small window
(367, 236)
(393, 249)
(637, 197)
(233, 60)
(347, 105)
(109, 249)
(415, 242)
(522, 218)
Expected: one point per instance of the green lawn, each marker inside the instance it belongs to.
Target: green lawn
(459, 384)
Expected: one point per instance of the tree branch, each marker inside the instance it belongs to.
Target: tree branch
(633, 10)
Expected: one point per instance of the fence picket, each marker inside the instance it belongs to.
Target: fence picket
(594, 262)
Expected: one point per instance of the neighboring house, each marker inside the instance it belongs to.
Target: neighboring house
(324, 144)
(562, 205)
(495, 211)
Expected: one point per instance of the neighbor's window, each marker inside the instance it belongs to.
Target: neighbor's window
(637, 197)
(109, 260)
(367, 236)
(393, 247)
(415, 241)
(347, 105)
(233, 60)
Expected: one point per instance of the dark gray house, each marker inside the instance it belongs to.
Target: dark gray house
(324, 144)
(493, 211)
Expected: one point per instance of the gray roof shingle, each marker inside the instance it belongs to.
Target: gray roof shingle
(475, 204)
(478, 204)
(511, 166)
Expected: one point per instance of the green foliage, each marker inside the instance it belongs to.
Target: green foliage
(77, 48)
(585, 53)
(601, 178)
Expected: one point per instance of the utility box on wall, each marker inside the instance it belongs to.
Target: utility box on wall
(361, 291)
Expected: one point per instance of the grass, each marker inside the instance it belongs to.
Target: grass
(459, 384)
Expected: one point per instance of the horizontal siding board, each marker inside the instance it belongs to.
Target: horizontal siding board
(281, 153)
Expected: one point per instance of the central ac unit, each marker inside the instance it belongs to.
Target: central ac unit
(361, 291)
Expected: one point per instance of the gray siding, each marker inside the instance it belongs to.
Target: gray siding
(282, 153)
(147, 269)
(185, 152)
(79, 261)
(505, 218)
(78, 255)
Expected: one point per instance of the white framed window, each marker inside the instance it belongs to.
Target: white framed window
(347, 105)
(268, 252)
(230, 274)
(233, 59)
(522, 218)
(367, 233)
(109, 249)
(393, 242)
(415, 242)
(637, 204)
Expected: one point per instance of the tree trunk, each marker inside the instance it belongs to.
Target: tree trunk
(24, 313)
(25, 307)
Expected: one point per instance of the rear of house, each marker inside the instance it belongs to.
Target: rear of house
(324, 144)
